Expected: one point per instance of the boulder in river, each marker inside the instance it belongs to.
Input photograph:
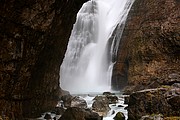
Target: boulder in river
(78, 102)
(108, 93)
(74, 113)
(119, 116)
(67, 100)
(70, 101)
(126, 99)
(113, 99)
(47, 116)
(101, 105)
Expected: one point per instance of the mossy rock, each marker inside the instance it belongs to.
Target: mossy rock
(119, 116)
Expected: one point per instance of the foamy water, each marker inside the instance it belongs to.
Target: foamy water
(89, 99)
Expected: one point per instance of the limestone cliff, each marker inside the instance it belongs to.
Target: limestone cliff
(34, 36)
(149, 59)
(150, 45)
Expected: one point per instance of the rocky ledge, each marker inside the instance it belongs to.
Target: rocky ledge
(164, 101)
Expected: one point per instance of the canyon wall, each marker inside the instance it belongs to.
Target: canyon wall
(150, 52)
(34, 36)
(150, 45)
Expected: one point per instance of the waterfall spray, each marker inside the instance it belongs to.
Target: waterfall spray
(87, 66)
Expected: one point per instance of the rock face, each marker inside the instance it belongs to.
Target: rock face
(120, 69)
(151, 48)
(150, 45)
(164, 101)
(34, 36)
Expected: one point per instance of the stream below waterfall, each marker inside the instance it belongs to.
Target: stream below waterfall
(115, 108)
(88, 62)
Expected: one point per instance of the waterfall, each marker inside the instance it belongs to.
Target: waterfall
(87, 65)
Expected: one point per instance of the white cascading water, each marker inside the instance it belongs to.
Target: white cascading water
(87, 66)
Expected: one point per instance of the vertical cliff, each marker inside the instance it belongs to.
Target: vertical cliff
(34, 36)
(149, 59)
(150, 45)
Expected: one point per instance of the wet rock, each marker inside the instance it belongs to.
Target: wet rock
(126, 99)
(47, 116)
(101, 105)
(126, 108)
(99, 97)
(108, 93)
(120, 106)
(74, 113)
(112, 99)
(70, 101)
(113, 112)
(78, 102)
(119, 116)
(67, 100)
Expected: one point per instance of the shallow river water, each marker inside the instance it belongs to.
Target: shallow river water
(114, 107)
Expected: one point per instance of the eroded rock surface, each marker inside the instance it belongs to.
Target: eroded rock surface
(164, 101)
(34, 35)
(150, 45)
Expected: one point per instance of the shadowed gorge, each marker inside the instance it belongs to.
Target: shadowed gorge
(34, 36)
